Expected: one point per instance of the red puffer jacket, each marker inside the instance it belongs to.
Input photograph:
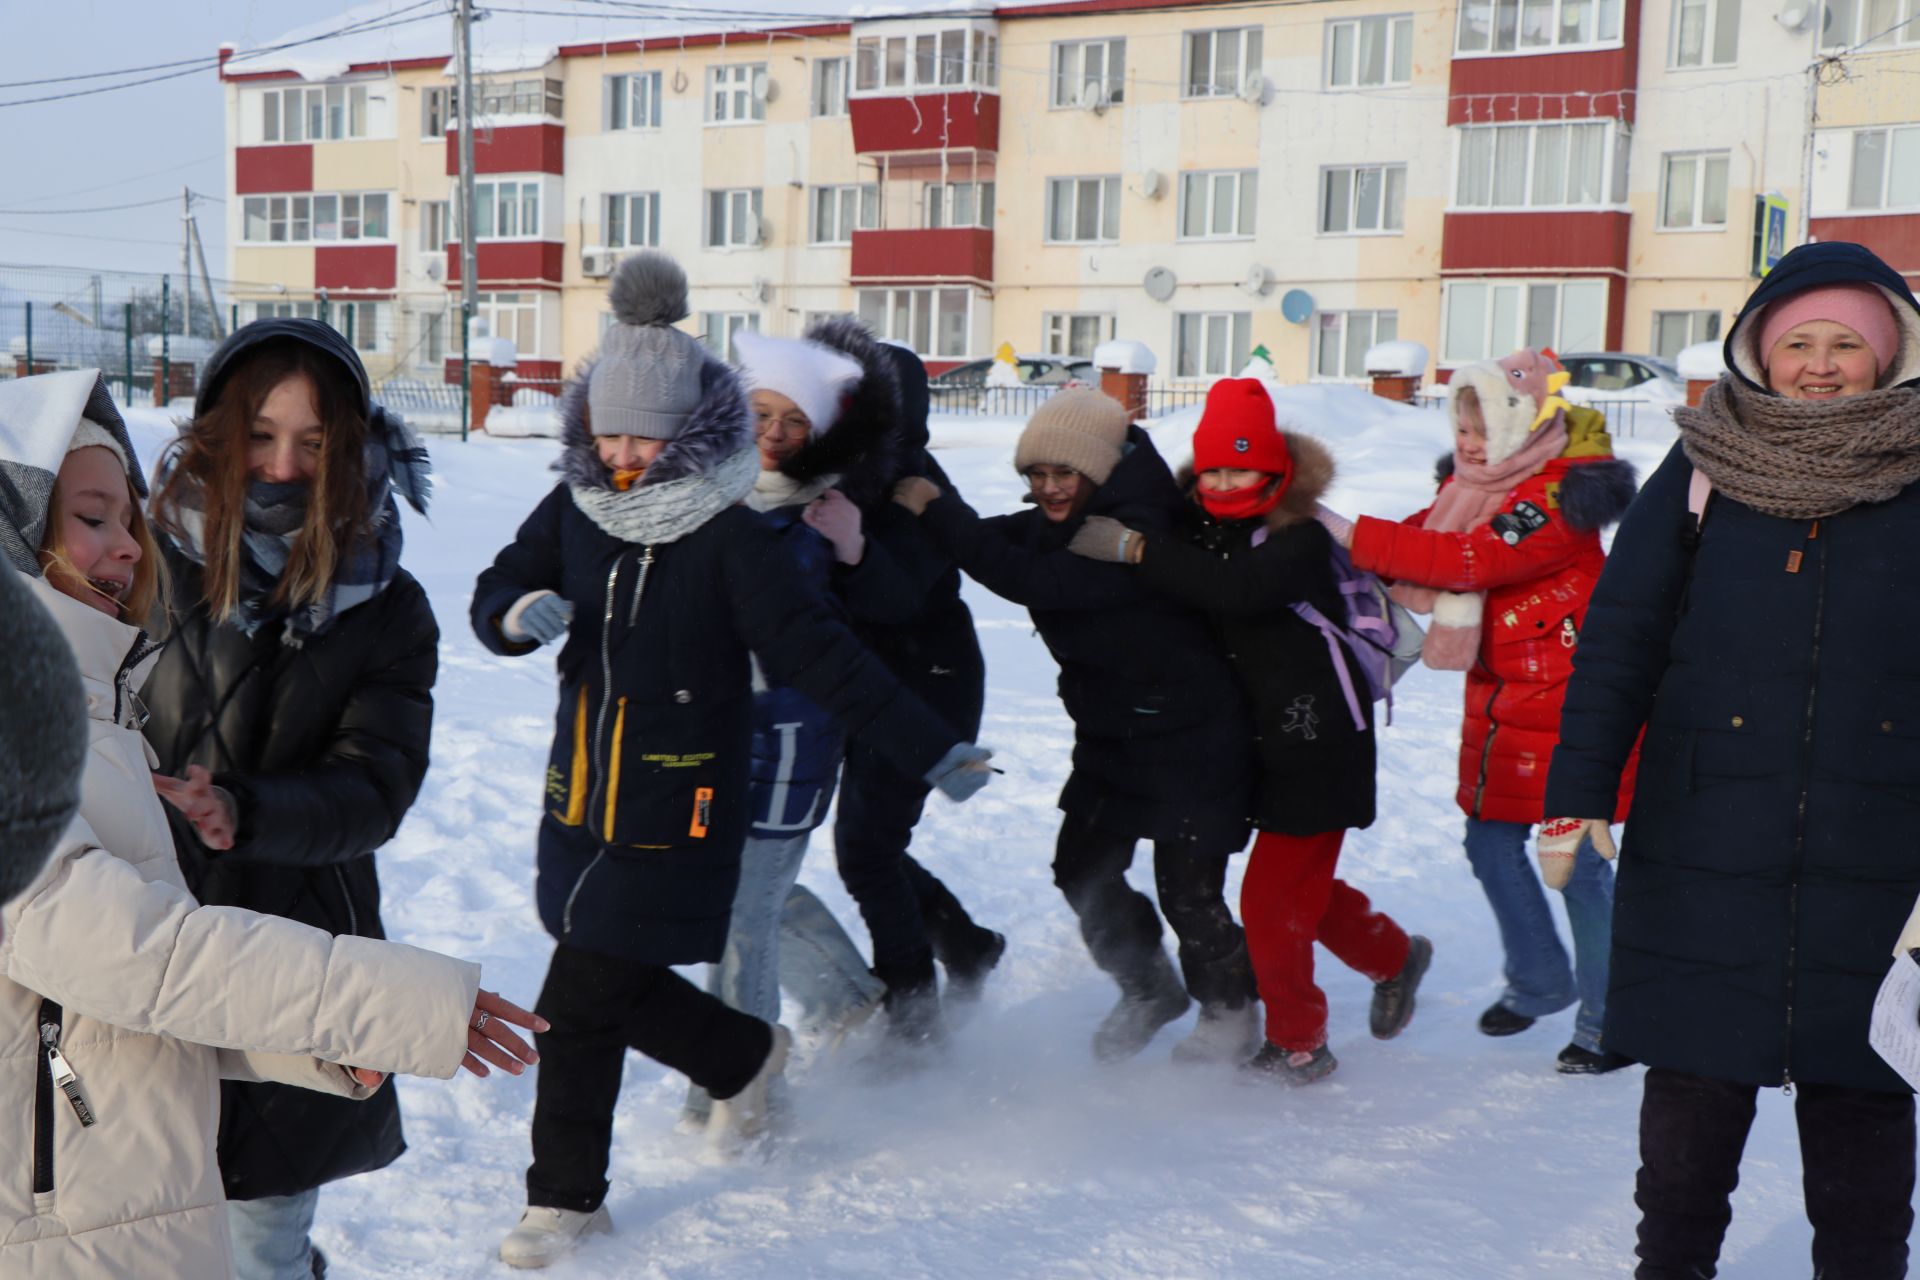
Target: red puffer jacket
(1537, 561)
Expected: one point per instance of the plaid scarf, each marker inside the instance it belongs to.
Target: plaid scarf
(275, 513)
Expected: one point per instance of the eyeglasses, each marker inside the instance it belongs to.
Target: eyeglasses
(793, 426)
(1061, 478)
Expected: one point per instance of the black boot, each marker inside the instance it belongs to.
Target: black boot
(1575, 1061)
(1150, 998)
(967, 969)
(1499, 1020)
(1393, 999)
(914, 1033)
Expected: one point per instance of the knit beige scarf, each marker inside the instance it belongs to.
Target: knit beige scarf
(1803, 460)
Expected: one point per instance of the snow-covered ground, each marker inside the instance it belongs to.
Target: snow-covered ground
(1442, 1154)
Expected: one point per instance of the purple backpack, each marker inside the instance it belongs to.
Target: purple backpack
(1380, 633)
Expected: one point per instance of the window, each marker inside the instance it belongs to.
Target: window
(1211, 344)
(957, 204)
(730, 93)
(1075, 333)
(1081, 210)
(1341, 340)
(1539, 166)
(718, 327)
(1363, 198)
(513, 316)
(436, 113)
(362, 323)
(1369, 51)
(1706, 33)
(1877, 24)
(733, 217)
(432, 347)
(1886, 169)
(1217, 205)
(314, 113)
(631, 220)
(520, 98)
(304, 219)
(632, 101)
(1693, 190)
(934, 322)
(954, 58)
(840, 211)
(1673, 331)
(1522, 26)
(1484, 319)
(829, 87)
(1083, 65)
(506, 210)
(433, 226)
(1219, 62)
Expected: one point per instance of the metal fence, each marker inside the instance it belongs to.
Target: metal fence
(1624, 417)
(1020, 402)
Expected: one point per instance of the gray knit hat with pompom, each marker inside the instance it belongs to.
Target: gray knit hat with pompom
(646, 380)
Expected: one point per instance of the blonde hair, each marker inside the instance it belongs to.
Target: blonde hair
(149, 572)
(1466, 408)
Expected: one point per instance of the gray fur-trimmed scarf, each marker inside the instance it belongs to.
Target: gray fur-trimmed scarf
(1803, 460)
(395, 461)
(668, 511)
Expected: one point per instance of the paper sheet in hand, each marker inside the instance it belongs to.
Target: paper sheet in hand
(1895, 1029)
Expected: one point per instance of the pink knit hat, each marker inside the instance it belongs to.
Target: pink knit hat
(1860, 307)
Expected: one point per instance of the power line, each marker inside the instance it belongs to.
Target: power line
(102, 208)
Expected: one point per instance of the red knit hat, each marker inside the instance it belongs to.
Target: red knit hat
(1237, 431)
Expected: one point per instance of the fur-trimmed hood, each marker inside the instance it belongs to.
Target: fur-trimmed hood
(1811, 266)
(1596, 488)
(867, 444)
(719, 427)
(1313, 472)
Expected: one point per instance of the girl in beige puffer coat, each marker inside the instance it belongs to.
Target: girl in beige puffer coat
(123, 1002)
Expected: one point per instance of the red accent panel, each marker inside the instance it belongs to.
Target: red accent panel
(926, 121)
(545, 373)
(953, 253)
(1895, 237)
(520, 263)
(755, 39)
(258, 170)
(514, 148)
(937, 367)
(1534, 241)
(357, 267)
(1537, 86)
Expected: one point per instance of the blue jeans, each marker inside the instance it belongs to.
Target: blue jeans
(270, 1236)
(782, 937)
(1539, 979)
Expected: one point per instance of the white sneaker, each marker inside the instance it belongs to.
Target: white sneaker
(545, 1235)
(1221, 1036)
(745, 1114)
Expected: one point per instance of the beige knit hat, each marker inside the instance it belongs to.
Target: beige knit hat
(1077, 427)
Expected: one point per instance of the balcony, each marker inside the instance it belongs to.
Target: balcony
(923, 254)
(1528, 240)
(926, 122)
(511, 264)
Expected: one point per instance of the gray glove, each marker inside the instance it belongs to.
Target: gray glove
(538, 616)
(962, 771)
(1103, 538)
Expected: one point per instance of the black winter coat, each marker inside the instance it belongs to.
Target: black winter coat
(324, 748)
(646, 791)
(1765, 872)
(1316, 770)
(1162, 747)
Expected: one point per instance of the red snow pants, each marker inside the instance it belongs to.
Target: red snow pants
(1288, 900)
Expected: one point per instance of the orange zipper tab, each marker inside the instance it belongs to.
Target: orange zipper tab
(702, 812)
(1793, 561)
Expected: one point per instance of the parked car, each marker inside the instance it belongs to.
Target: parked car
(1035, 371)
(1613, 375)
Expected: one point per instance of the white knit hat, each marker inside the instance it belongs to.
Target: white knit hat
(812, 375)
(90, 433)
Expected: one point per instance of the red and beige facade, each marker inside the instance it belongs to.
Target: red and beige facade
(1585, 174)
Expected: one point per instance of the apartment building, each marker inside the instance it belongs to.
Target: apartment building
(1209, 178)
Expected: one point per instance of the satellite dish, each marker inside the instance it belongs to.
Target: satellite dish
(1093, 97)
(1254, 89)
(764, 88)
(1793, 17)
(1159, 284)
(1152, 184)
(1257, 281)
(1296, 305)
(756, 229)
(761, 289)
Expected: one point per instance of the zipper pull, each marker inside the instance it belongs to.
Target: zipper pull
(1795, 556)
(1786, 1084)
(64, 1075)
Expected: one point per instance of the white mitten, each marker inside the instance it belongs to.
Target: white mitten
(1559, 841)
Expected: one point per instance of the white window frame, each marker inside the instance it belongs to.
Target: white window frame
(1607, 27)
(729, 231)
(1900, 157)
(524, 305)
(436, 103)
(718, 327)
(1855, 22)
(325, 113)
(488, 209)
(1713, 19)
(939, 200)
(1108, 211)
(620, 210)
(1346, 35)
(1249, 51)
(1391, 182)
(945, 59)
(1699, 326)
(730, 96)
(524, 96)
(1382, 325)
(835, 212)
(431, 350)
(1235, 328)
(1057, 332)
(1702, 164)
(1069, 73)
(436, 225)
(1204, 186)
(913, 314)
(830, 79)
(302, 209)
(370, 333)
(1533, 136)
(630, 101)
(1491, 344)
